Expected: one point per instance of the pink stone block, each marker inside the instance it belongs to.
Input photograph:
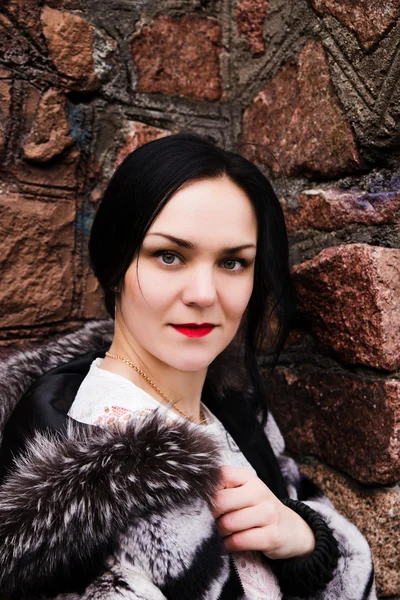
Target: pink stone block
(350, 296)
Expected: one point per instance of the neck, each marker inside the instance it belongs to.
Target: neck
(181, 387)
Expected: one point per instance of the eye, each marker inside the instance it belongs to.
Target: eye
(167, 257)
(231, 263)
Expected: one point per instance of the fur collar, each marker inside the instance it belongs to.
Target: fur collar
(88, 485)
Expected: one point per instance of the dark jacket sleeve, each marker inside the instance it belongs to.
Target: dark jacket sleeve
(341, 566)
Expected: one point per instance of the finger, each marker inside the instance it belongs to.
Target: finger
(240, 520)
(228, 500)
(232, 477)
(264, 539)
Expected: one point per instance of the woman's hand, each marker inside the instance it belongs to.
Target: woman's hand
(250, 517)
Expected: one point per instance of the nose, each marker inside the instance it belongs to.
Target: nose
(200, 286)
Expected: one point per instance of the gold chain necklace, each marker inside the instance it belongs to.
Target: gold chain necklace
(203, 420)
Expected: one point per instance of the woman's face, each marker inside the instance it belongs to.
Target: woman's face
(194, 278)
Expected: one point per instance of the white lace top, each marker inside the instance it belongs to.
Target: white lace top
(104, 398)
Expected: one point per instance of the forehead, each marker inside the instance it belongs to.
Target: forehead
(208, 209)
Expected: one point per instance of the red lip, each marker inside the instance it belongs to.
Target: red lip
(194, 330)
(193, 325)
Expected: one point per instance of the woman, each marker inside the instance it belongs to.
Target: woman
(150, 468)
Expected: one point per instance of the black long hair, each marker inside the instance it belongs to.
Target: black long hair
(140, 188)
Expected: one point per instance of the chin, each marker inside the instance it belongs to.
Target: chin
(191, 363)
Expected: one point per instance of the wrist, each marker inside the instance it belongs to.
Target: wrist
(305, 575)
(307, 545)
(300, 539)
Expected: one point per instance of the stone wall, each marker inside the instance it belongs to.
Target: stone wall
(315, 86)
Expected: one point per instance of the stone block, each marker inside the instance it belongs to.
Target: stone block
(299, 121)
(58, 174)
(36, 260)
(250, 17)
(70, 41)
(48, 156)
(350, 297)
(136, 134)
(50, 133)
(351, 422)
(368, 20)
(46, 133)
(332, 208)
(376, 513)
(179, 56)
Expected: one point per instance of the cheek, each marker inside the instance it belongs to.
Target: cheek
(153, 296)
(236, 299)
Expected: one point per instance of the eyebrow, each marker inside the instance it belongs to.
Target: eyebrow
(191, 246)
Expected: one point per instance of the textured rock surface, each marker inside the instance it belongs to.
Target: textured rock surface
(20, 52)
(330, 209)
(65, 4)
(45, 134)
(137, 134)
(50, 132)
(70, 40)
(31, 97)
(179, 56)
(93, 304)
(375, 512)
(341, 418)
(297, 117)
(350, 296)
(368, 20)
(250, 16)
(5, 99)
(60, 173)
(36, 260)
(27, 14)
